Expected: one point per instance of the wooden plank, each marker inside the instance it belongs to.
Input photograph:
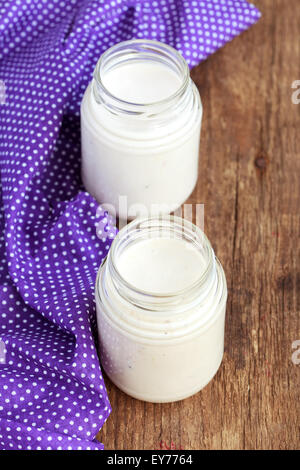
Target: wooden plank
(249, 182)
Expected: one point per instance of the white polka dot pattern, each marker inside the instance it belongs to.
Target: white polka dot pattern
(52, 395)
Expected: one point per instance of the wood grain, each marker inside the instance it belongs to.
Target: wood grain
(249, 182)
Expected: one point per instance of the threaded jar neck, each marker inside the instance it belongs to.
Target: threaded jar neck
(166, 227)
(133, 51)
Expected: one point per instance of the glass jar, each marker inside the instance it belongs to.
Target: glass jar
(144, 151)
(161, 347)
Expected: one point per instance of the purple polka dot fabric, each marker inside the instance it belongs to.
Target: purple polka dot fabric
(52, 394)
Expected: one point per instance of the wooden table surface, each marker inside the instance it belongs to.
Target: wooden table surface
(249, 182)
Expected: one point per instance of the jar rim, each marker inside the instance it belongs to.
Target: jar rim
(137, 46)
(176, 225)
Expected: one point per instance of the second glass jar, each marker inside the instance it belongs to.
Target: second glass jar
(143, 148)
(157, 344)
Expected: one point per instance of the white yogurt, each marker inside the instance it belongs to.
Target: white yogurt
(161, 265)
(160, 299)
(140, 127)
(141, 82)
